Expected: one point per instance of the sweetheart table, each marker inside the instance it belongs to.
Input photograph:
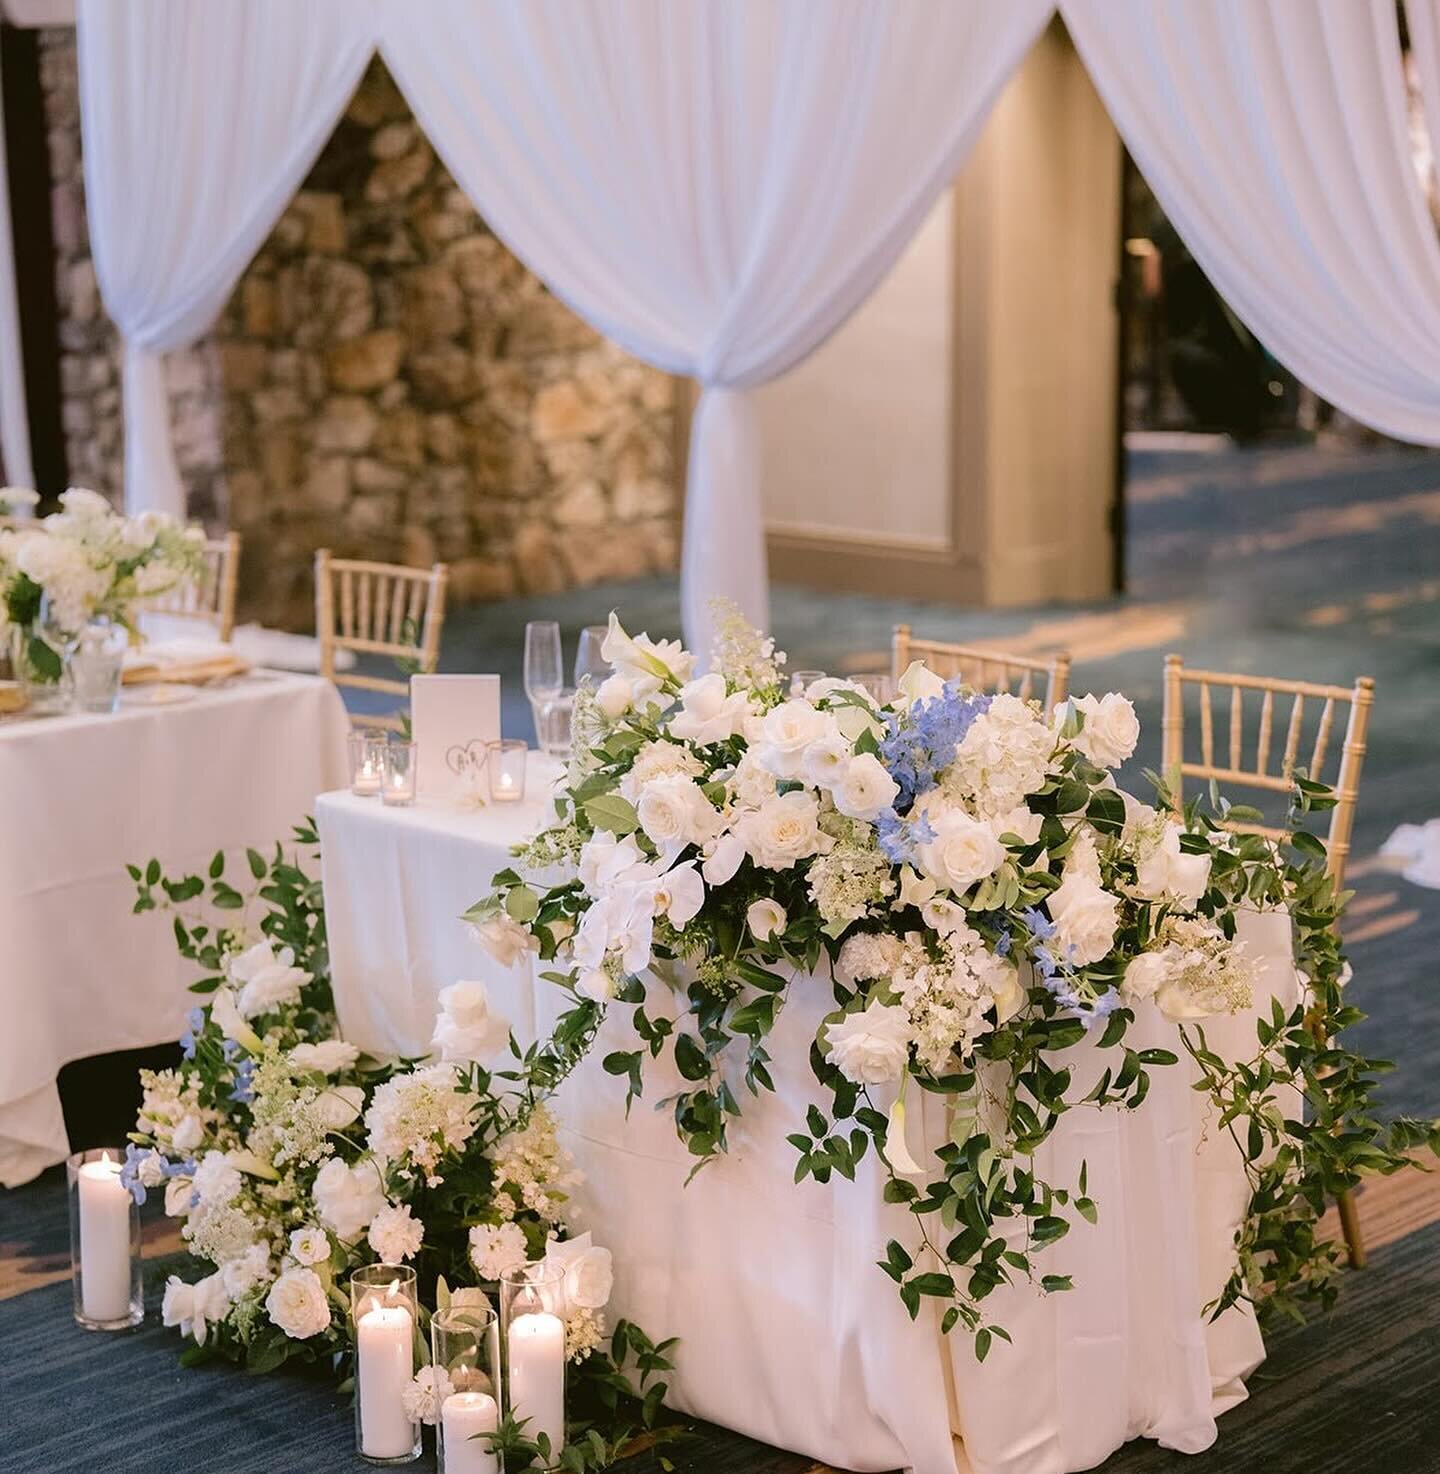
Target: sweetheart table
(789, 1332)
(175, 775)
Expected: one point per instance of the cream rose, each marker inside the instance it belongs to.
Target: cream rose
(347, 1198)
(1110, 731)
(1144, 975)
(465, 1027)
(1085, 916)
(329, 1056)
(786, 733)
(504, 938)
(870, 1047)
(309, 1245)
(708, 712)
(962, 851)
(614, 695)
(784, 831)
(674, 812)
(588, 1269)
(1168, 871)
(297, 1304)
(865, 790)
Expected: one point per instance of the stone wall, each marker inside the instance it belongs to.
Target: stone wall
(387, 380)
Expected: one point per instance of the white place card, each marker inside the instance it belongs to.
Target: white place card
(447, 715)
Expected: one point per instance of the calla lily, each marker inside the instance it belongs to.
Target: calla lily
(896, 1150)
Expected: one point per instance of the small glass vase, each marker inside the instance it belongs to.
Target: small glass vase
(96, 664)
(384, 1314)
(465, 1345)
(104, 1242)
(532, 1331)
(40, 665)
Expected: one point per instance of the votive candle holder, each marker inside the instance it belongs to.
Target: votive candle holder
(104, 1242)
(384, 1314)
(532, 1332)
(367, 761)
(506, 767)
(465, 1346)
(397, 774)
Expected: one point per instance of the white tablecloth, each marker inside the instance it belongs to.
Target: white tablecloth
(82, 795)
(788, 1330)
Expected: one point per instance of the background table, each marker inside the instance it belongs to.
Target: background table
(82, 795)
(788, 1331)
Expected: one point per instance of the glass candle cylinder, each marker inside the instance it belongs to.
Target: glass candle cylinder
(532, 1331)
(465, 1345)
(95, 666)
(397, 773)
(104, 1242)
(506, 767)
(367, 759)
(879, 685)
(802, 680)
(384, 1312)
(554, 719)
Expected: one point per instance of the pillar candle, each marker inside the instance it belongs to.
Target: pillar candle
(537, 1375)
(104, 1241)
(462, 1415)
(385, 1364)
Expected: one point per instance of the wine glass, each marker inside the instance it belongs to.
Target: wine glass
(589, 662)
(544, 664)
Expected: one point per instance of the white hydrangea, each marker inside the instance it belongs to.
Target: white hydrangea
(1003, 758)
(298, 1305)
(420, 1117)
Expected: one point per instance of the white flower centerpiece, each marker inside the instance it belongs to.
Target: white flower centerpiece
(983, 897)
(82, 563)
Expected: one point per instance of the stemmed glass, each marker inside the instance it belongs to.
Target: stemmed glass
(588, 659)
(544, 664)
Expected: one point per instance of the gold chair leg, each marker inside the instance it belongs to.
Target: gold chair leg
(1350, 1224)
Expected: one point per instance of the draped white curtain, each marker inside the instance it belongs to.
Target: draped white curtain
(14, 418)
(199, 123)
(715, 187)
(1273, 133)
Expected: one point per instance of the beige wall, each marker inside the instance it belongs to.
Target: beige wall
(956, 440)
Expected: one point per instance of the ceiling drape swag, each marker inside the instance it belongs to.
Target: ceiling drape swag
(1273, 133)
(715, 187)
(14, 416)
(199, 124)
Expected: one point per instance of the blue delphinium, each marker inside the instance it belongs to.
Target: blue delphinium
(920, 743)
(194, 1022)
(138, 1157)
(242, 1090)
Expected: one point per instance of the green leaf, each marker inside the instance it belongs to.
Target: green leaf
(690, 1058)
(610, 811)
(258, 866)
(522, 904)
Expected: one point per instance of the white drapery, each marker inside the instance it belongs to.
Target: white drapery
(199, 124)
(715, 187)
(1273, 133)
(14, 416)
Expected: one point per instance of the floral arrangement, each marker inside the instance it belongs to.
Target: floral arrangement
(291, 1159)
(13, 498)
(983, 897)
(85, 562)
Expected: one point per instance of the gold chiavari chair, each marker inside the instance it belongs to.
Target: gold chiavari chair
(1236, 771)
(985, 670)
(210, 598)
(378, 609)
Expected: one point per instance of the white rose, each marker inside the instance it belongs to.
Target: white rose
(827, 760)
(1144, 974)
(708, 714)
(187, 1135)
(396, 1234)
(329, 1056)
(615, 695)
(962, 851)
(339, 1105)
(1168, 871)
(1085, 916)
(766, 919)
(723, 859)
(870, 1047)
(297, 1304)
(784, 831)
(674, 812)
(679, 894)
(866, 790)
(194, 1308)
(465, 1028)
(347, 1198)
(597, 985)
(588, 1270)
(1111, 729)
(269, 979)
(1018, 821)
(504, 938)
(1007, 993)
(786, 733)
(309, 1245)
(1178, 1003)
(919, 683)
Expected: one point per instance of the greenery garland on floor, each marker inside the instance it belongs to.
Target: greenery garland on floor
(292, 1159)
(984, 898)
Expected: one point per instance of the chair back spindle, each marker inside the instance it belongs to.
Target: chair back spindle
(986, 670)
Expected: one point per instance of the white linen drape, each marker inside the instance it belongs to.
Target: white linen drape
(14, 416)
(199, 123)
(1273, 133)
(715, 187)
